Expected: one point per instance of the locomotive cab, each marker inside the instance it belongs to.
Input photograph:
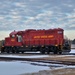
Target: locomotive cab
(12, 42)
(16, 35)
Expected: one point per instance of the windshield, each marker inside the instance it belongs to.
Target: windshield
(13, 36)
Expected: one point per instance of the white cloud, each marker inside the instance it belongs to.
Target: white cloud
(13, 12)
(68, 5)
(45, 14)
(16, 17)
(72, 25)
(20, 4)
(37, 13)
(1, 17)
(40, 17)
(71, 15)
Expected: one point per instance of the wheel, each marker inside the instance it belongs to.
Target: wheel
(48, 51)
(55, 50)
(22, 52)
(60, 52)
(7, 51)
(42, 51)
(13, 51)
(2, 50)
(17, 51)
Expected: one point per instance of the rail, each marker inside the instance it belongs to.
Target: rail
(37, 60)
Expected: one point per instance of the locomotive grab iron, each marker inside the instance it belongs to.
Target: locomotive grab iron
(45, 41)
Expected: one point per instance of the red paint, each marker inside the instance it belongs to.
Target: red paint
(36, 37)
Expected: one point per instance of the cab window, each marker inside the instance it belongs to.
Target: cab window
(19, 38)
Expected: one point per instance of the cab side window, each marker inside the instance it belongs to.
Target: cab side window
(19, 38)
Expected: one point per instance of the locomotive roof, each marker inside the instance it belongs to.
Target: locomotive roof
(13, 33)
(16, 32)
(43, 29)
(29, 30)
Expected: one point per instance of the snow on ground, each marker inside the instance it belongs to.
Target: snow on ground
(72, 51)
(33, 56)
(71, 67)
(19, 67)
(24, 67)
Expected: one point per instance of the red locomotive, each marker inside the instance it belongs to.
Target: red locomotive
(45, 41)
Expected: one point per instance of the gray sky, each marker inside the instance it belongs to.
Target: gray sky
(37, 14)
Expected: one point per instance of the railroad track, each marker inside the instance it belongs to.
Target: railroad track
(37, 60)
(36, 54)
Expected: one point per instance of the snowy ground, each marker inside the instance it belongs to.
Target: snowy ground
(72, 51)
(20, 67)
(17, 56)
(23, 67)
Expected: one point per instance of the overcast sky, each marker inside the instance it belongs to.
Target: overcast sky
(37, 14)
